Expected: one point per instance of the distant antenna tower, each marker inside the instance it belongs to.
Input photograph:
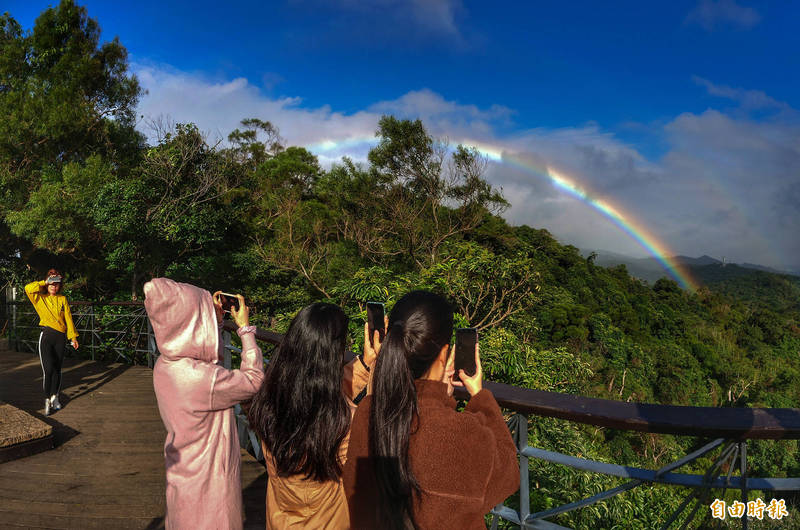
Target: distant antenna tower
(723, 261)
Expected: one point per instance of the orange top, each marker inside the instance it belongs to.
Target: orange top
(297, 502)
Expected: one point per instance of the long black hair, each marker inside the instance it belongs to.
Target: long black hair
(420, 325)
(300, 411)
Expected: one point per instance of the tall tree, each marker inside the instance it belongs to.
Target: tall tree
(174, 207)
(430, 197)
(64, 98)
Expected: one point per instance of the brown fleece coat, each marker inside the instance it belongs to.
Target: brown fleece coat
(465, 462)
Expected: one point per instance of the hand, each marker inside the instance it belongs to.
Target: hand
(242, 316)
(372, 349)
(473, 384)
(215, 298)
(75, 343)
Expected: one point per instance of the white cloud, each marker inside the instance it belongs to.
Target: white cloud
(450, 115)
(218, 107)
(711, 14)
(437, 14)
(728, 184)
(748, 170)
(431, 18)
(748, 99)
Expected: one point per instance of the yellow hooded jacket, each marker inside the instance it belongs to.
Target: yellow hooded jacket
(53, 310)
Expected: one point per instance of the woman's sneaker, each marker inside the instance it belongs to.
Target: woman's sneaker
(54, 403)
(47, 407)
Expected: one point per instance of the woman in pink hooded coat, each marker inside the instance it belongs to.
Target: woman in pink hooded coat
(195, 399)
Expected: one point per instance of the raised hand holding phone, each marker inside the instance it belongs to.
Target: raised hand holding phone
(373, 347)
(215, 299)
(229, 301)
(473, 383)
(468, 370)
(240, 312)
(466, 339)
(377, 321)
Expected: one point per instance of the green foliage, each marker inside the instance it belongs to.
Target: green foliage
(55, 216)
(63, 97)
(68, 105)
(81, 190)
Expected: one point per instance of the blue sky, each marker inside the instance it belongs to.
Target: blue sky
(683, 114)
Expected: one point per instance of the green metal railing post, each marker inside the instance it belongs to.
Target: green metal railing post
(521, 439)
(743, 470)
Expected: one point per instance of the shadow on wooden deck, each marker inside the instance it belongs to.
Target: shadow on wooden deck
(107, 469)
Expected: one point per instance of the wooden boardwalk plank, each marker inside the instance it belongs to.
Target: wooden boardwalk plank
(107, 467)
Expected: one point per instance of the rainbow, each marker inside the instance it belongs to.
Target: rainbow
(634, 229)
(337, 146)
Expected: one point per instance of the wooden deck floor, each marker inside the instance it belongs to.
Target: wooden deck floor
(107, 467)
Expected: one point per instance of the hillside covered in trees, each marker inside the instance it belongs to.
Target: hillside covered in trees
(82, 189)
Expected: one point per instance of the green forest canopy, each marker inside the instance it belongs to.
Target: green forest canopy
(83, 189)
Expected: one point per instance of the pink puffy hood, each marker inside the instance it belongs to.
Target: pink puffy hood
(183, 320)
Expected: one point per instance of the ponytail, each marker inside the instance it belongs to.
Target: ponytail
(420, 324)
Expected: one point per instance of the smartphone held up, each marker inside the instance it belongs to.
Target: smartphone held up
(229, 301)
(375, 320)
(466, 340)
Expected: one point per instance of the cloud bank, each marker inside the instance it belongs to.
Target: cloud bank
(374, 21)
(711, 14)
(728, 184)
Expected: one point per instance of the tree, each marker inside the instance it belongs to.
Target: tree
(175, 205)
(428, 197)
(487, 288)
(68, 106)
(249, 149)
(404, 207)
(291, 228)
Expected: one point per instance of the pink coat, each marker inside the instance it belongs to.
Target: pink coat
(195, 399)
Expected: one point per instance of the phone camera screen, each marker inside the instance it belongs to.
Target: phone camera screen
(375, 320)
(466, 339)
(229, 301)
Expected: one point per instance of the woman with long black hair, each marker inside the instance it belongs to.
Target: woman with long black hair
(413, 461)
(302, 414)
(55, 320)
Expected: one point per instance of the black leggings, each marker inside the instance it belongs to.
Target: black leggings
(52, 344)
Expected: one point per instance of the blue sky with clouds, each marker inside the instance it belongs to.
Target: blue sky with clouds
(682, 114)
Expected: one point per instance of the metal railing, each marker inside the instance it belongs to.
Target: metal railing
(119, 331)
(728, 429)
(733, 452)
(115, 331)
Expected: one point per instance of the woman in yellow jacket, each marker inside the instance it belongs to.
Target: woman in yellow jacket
(55, 320)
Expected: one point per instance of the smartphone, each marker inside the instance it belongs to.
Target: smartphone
(229, 301)
(466, 339)
(375, 320)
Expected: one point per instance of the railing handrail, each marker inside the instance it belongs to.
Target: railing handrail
(84, 303)
(735, 423)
